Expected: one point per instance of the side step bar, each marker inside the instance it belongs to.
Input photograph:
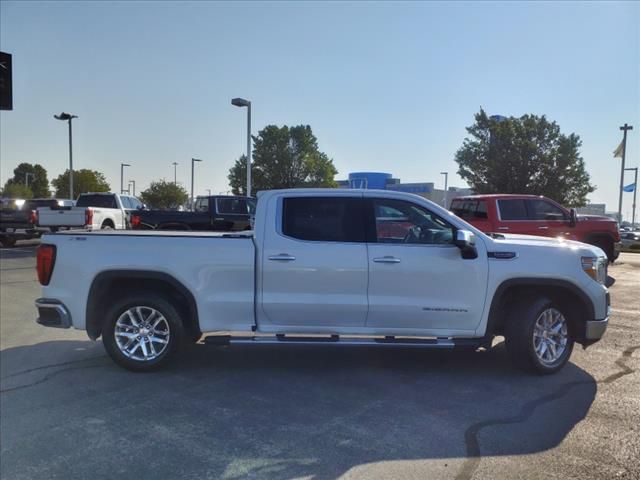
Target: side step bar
(443, 343)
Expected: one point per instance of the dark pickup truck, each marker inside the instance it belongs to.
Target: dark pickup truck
(18, 219)
(214, 213)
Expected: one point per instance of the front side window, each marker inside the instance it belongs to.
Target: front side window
(512, 210)
(126, 203)
(543, 210)
(323, 219)
(398, 221)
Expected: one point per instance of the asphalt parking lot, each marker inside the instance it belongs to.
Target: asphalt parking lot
(67, 411)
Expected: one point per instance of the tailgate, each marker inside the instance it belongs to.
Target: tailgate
(73, 217)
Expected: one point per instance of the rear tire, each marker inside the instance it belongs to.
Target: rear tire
(142, 331)
(538, 336)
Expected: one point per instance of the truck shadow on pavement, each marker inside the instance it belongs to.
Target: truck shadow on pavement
(275, 412)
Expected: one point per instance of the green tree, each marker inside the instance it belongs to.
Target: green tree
(284, 157)
(83, 181)
(164, 195)
(526, 155)
(16, 190)
(38, 182)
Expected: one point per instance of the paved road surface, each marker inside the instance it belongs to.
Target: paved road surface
(260, 412)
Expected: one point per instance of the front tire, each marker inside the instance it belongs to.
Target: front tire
(538, 336)
(142, 331)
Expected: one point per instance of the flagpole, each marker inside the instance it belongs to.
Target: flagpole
(624, 128)
(635, 190)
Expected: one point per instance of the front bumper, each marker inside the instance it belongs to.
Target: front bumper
(52, 313)
(595, 329)
(617, 248)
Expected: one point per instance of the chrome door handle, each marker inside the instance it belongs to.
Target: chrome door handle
(386, 259)
(543, 228)
(503, 228)
(283, 257)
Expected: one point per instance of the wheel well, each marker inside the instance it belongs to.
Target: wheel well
(576, 304)
(109, 286)
(108, 222)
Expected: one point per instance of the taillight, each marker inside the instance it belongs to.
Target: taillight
(33, 218)
(46, 259)
(88, 217)
(135, 220)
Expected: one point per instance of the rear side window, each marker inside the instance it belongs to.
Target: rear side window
(98, 201)
(202, 205)
(469, 208)
(232, 206)
(512, 209)
(324, 219)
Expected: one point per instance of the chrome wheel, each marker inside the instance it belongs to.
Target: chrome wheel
(550, 336)
(142, 333)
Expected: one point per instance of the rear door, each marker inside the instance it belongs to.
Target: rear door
(473, 211)
(418, 280)
(314, 264)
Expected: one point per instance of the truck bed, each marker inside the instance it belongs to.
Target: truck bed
(217, 267)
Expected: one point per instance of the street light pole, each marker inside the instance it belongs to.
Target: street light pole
(68, 117)
(241, 102)
(193, 160)
(134, 186)
(175, 164)
(635, 191)
(624, 128)
(122, 165)
(446, 186)
(26, 178)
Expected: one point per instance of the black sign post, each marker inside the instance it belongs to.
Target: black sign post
(6, 92)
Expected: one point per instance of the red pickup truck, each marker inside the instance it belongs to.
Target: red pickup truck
(537, 215)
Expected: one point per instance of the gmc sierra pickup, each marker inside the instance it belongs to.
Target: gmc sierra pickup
(327, 267)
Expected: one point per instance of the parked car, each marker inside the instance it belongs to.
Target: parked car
(212, 213)
(537, 215)
(629, 239)
(320, 269)
(18, 219)
(92, 211)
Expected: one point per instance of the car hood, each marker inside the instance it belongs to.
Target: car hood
(596, 218)
(510, 239)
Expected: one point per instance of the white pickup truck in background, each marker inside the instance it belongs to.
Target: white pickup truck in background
(327, 267)
(92, 211)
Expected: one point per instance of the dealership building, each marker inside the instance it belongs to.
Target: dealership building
(386, 181)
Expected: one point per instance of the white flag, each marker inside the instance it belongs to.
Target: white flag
(617, 153)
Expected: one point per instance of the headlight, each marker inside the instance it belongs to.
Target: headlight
(596, 268)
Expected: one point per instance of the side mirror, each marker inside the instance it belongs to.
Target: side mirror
(573, 217)
(466, 242)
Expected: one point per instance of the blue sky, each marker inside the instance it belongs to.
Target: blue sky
(385, 86)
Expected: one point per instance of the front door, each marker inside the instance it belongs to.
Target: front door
(417, 278)
(314, 265)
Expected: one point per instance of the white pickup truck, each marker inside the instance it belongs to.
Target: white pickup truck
(327, 267)
(92, 211)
